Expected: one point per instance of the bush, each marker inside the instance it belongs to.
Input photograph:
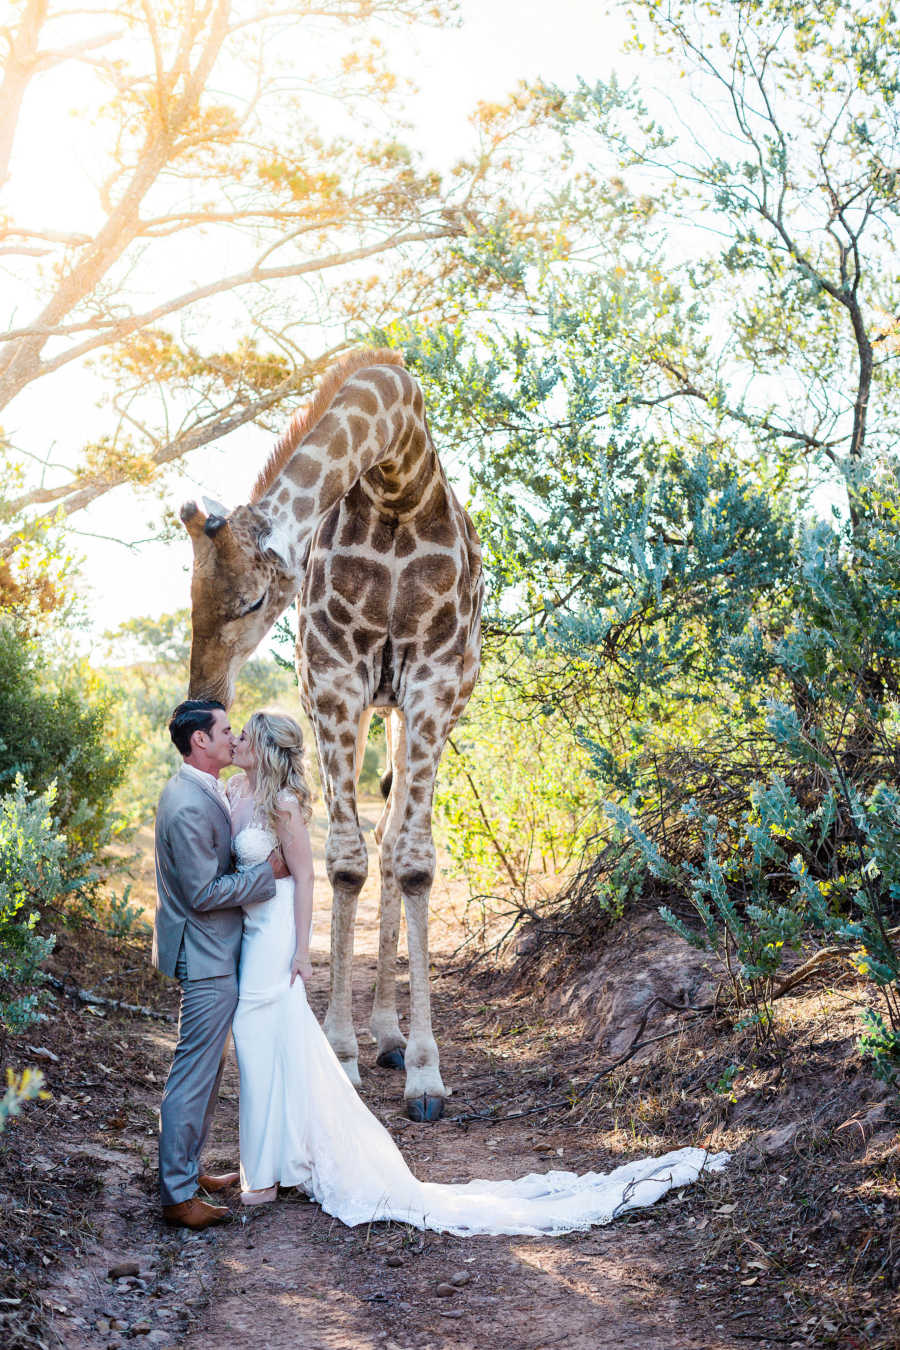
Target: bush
(514, 803)
(55, 727)
(34, 857)
(816, 851)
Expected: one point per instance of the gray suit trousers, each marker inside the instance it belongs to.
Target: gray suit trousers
(189, 1097)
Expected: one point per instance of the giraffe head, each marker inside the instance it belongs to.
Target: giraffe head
(239, 586)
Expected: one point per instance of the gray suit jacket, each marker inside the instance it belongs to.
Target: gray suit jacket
(198, 896)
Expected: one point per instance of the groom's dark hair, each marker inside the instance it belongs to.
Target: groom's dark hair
(194, 714)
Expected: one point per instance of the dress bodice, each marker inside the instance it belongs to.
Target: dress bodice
(252, 845)
(254, 841)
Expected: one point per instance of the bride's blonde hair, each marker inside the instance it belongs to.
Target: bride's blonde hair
(277, 743)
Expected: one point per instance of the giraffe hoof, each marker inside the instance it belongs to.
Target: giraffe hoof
(391, 1059)
(424, 1108)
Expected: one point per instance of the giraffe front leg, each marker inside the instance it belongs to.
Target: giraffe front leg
(346, 862)
(414, 863)
(424, 1091)
(384, 1023)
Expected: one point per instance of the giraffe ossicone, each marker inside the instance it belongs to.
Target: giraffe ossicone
(354, 516)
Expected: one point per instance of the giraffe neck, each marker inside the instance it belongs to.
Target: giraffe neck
(374, 431)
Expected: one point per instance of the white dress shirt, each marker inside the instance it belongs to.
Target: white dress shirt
(207, 779)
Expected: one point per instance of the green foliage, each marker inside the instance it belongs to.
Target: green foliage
(819, 854)
(881, 1044)
(724, 1085)
(687, 483)
(56, 727)
(120, 918)
(35, 873)
(514, 804)
(20, 1088)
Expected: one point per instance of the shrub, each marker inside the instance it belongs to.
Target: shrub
(33, 860)
(816, 852)
(55, 727)
(514, 804)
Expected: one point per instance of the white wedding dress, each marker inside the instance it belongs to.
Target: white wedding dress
(303, 1124)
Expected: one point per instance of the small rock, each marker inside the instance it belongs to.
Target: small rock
(776, 1141)
(123, 1268)
(116, 1324)
(41, 1052)
(445, 1290)
(451, 1312)
(460, 1279)
(141, 1328)
(393, 1261)
(102, 1325)
(159, 1338)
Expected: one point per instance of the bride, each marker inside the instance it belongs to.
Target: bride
(301, 1120)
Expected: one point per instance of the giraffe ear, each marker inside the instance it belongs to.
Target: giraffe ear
(274, 545)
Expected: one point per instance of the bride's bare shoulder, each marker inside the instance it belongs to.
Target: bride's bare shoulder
(236, 787)
(289, 811)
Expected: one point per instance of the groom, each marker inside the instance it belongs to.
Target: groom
(197, 938)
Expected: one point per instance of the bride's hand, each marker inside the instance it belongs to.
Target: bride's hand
(302, 966)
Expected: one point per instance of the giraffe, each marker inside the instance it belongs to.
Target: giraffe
(354, 515)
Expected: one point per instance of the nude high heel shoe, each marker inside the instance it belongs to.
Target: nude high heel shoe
(262, 1197)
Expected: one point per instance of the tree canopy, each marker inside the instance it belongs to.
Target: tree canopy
(249, 210)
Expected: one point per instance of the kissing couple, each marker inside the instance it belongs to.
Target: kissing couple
(234, 880)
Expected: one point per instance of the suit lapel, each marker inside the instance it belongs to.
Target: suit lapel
(210, 791)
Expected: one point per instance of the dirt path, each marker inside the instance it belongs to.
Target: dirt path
(288, 1275)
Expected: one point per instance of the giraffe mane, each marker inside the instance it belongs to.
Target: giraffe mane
(304, 419)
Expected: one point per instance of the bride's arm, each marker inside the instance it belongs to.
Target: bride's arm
(294, 839)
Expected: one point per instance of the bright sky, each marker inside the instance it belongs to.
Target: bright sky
(499, 43)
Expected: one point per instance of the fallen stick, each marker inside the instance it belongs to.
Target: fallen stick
(815, 962)
(86, 996)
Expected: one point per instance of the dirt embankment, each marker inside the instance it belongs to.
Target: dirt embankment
(796, 1244)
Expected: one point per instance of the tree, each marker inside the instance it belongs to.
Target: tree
(715, 354)
(691, 490)
(222, 197)
(789, 151)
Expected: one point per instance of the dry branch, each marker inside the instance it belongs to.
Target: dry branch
(119, 1005)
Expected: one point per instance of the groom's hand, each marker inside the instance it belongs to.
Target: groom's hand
(278, 865)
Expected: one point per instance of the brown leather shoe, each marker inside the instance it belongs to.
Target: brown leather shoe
(222, 1182)
(195, 1213)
